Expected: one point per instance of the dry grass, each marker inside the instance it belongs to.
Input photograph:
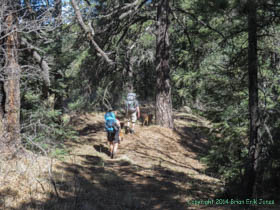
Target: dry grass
(156, 168)
(24, 179)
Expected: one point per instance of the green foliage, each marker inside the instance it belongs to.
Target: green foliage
(43, 128)
(211, 77)
(228, 151)
(59, 153)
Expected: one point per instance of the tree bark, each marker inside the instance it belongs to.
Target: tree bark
(254, 144)
(11, 85)
(163, 86)
(2, 108)
(129, 73)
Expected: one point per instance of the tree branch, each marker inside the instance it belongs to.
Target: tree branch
(200, 21)
(89, 32)
(43, 64)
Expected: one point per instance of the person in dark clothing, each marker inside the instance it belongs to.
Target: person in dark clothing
(112, 126)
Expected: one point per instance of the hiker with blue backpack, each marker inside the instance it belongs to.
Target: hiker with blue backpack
(132, 111)
(112, 127)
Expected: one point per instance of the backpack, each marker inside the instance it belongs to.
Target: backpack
(110, 121)
(131, 103)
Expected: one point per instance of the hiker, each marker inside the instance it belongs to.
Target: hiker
(132, 111)
(112, 127)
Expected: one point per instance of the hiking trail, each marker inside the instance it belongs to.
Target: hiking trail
(155, 168)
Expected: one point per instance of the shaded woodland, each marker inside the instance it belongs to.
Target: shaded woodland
(218, 58)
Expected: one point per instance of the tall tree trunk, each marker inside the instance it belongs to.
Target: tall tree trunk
(2, 108)
(11, 92)
(163, 86)
(254, 144)
(129, 74)
(58, 67)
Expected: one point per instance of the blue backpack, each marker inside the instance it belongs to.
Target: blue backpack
(110, 121)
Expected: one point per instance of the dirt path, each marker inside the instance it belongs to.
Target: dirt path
(154, 169)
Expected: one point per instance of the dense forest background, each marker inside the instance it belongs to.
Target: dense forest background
(221, 58)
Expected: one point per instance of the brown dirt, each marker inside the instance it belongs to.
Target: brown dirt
(155, 168)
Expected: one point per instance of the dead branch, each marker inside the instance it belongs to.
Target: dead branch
(36, 145)
(52, 180)
(89, 32)
(131, 6)
(43, 64)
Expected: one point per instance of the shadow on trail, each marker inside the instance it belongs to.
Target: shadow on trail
(102, 149)
(98, 184)
(91, 129)
(88, 132)
(166, 157)
(119, 185)
(194, 139)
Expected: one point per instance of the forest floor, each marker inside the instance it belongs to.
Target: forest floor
(155, 168)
